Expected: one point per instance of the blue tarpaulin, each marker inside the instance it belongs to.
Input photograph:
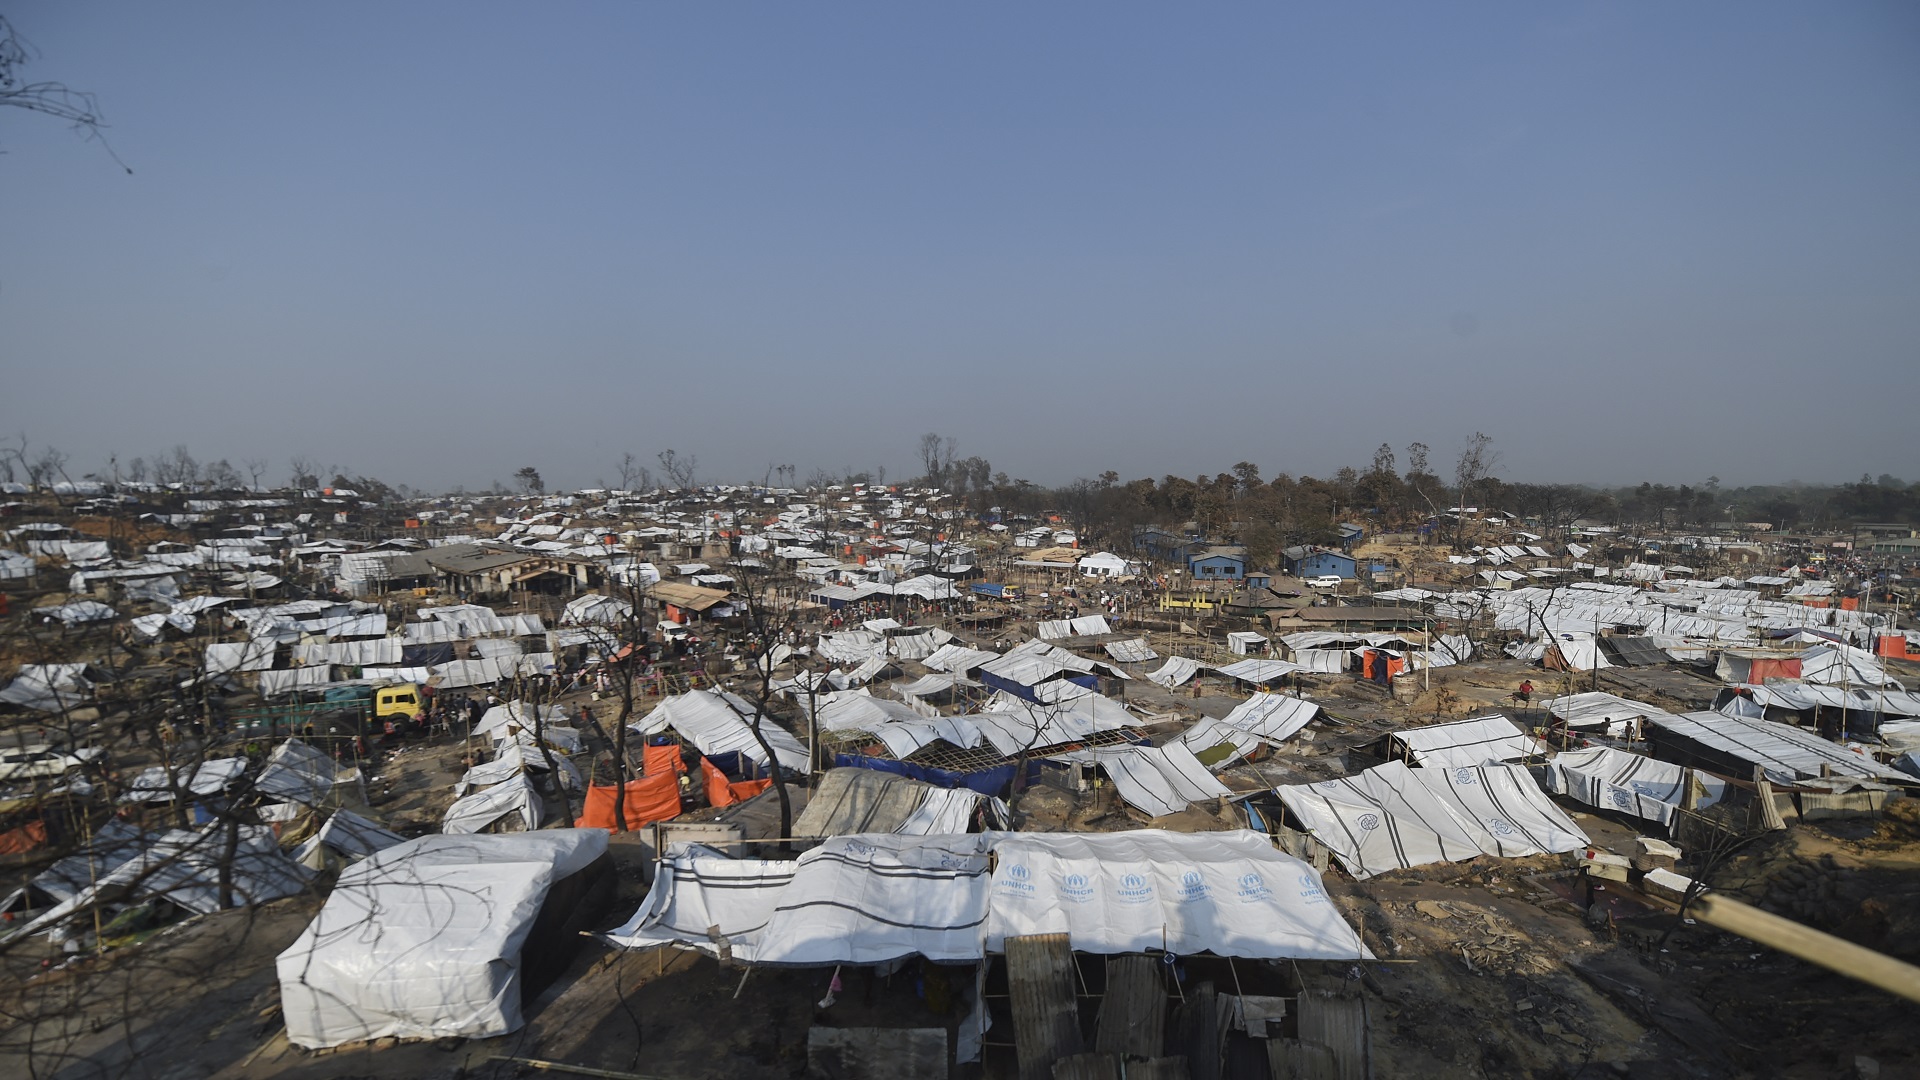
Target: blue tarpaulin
(992, 781)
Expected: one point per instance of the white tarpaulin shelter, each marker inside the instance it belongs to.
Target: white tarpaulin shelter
(849, 801)
(863, 899)
(1468, 742)
(183, 868)
(513, 797)
(296, 772)
(716, 723)
(873, 898)
(48, 687)
(1739, 743)
(1260, 670)
(1175, 672)
(1246, 643)
(1610, 713)
(1084, 626)
(1268, 718)
(1392, 817)
(1156, 780)
(1227, 893)
(1131, 651)
(1013, 725)
(210, 777)
(345, 837)
(423, 940)
(518, 714)
(958, 659)
(1629, 783)
(698, 889)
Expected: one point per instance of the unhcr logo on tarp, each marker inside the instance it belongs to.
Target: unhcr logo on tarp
(1464, 776)
(1310, 890)
(1077, 888)
(1253, 888)
(1018, 881)
(1368, 822)
(1133, 889)
(1193, 887)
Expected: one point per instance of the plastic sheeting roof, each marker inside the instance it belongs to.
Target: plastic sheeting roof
(1628, 783)
(513, 796)
(209, 777)
(422, 940)
(183, 868)
(716, 723)
(1013, 725)
(958, 658)
(1156, 780)
(1084, 626)
(1391, 817)
(1786, 752)
(851, 801)
(1133, 651)
(298, 773)
(346, 834)
(1469, 742)
(863, 899)
(872, 898)
(1226, 893)
(1269, 718)
(1803, 696)
(1176, 671)
(1260, 670)
(1609, 712)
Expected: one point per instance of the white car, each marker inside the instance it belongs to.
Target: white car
(42, 761)
(1326, 581)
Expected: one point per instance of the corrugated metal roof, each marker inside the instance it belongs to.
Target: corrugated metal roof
(1046, 1003)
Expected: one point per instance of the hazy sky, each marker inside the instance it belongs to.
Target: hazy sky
(439, 241)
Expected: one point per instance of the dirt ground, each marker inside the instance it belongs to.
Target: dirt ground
(1486, 969)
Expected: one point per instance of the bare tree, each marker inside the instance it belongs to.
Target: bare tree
(1476, 464)
(679, 470)
(306, 472)
(256, 468)
(56, 99)
(221, 476)
(176, 466)
(43, 467)
(634, 476)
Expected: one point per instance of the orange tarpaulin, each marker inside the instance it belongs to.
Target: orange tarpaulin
(1764, 669)
(1849, 603)
(662, 759)
(651, 798)
(1894, 645)
(720, 792)
(28, 837)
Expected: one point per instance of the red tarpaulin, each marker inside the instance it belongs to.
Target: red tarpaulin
(721, 792)
(1764, 669)
(650, 798)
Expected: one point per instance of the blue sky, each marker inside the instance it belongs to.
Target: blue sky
(435, 242)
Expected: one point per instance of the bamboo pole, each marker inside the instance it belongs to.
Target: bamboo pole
(1813, 946)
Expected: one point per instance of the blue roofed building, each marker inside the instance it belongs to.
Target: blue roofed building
(1218, 564)
(1310, 562)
